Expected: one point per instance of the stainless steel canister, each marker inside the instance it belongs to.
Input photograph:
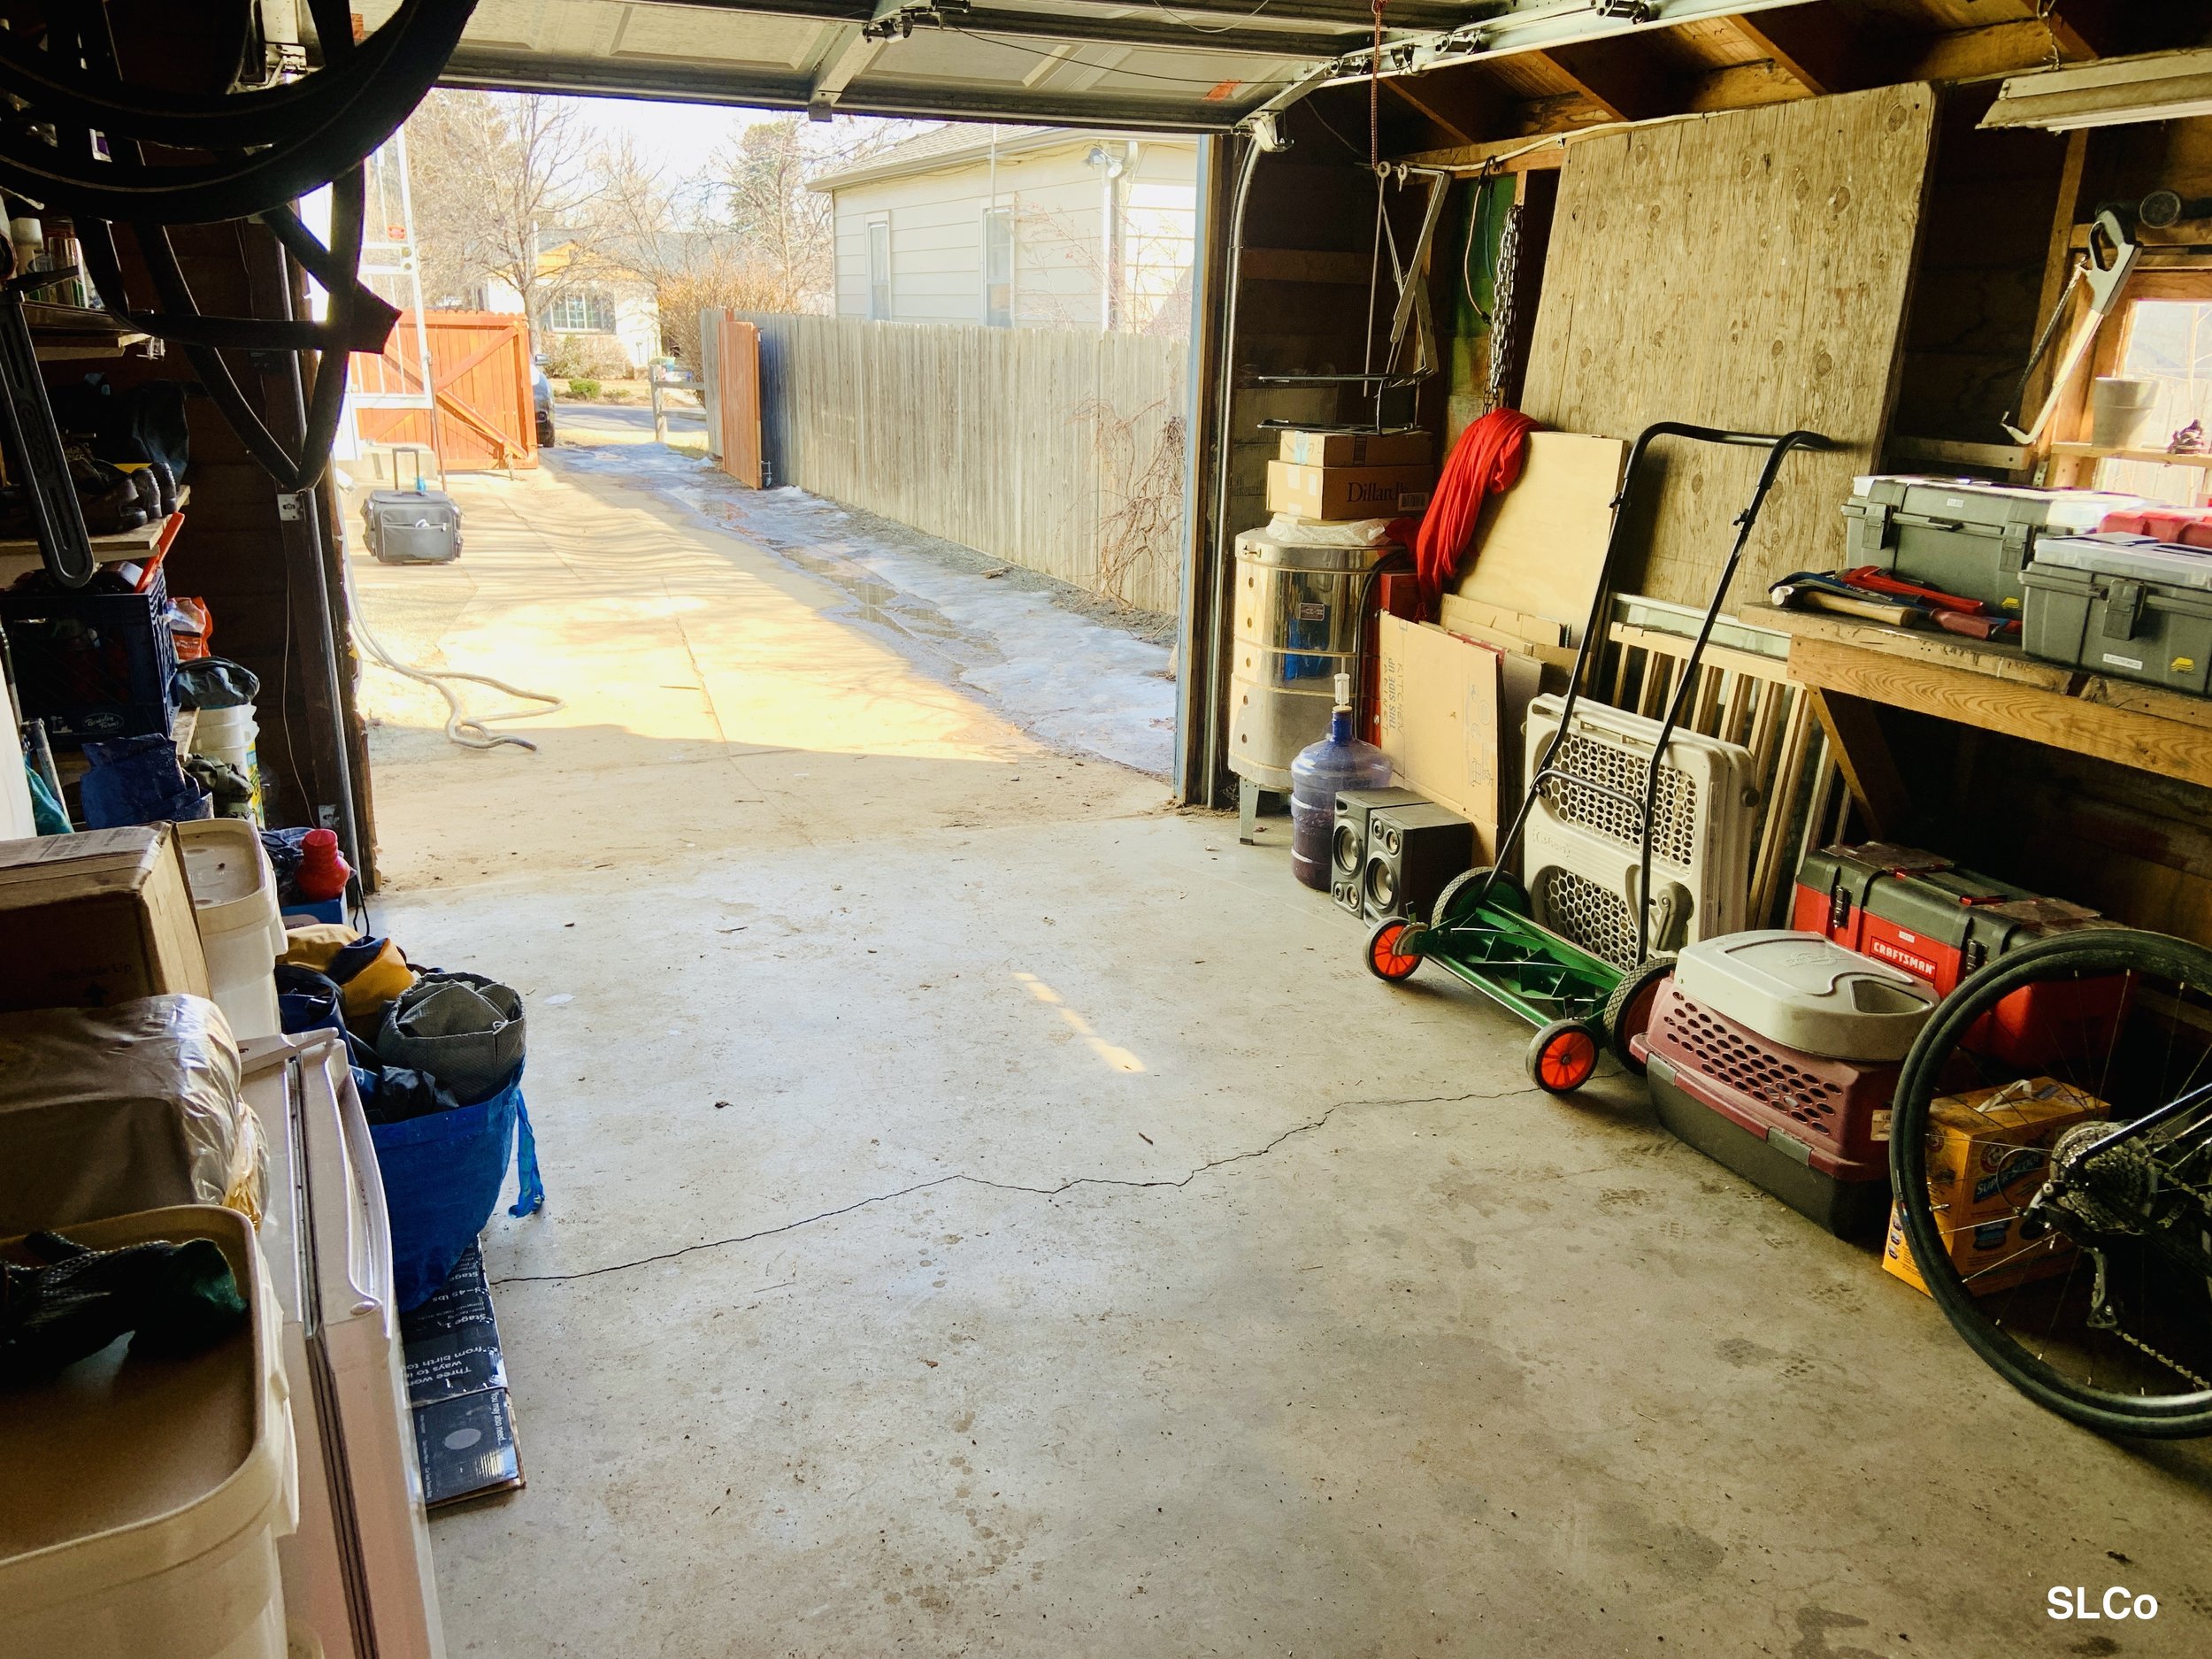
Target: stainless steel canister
(1297, 626)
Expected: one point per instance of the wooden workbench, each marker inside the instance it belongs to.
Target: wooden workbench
(1852, 665)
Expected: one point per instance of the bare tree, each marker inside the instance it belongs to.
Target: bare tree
(786, 230)
(498, 181)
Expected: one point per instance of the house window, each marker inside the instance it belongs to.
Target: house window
(879, 269)
(998, 267)
(585, 311)
(2166, 354)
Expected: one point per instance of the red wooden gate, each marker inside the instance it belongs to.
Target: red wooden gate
(734, 361)
(482, 418)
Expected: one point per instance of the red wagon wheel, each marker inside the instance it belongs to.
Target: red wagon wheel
(1385, 960)
(1563, 1055)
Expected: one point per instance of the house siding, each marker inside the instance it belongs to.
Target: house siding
(936, 220)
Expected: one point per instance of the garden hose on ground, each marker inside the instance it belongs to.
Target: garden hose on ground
(468, 731)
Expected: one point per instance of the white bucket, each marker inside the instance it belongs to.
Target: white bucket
(234, 902)
(225, 734)
(2119, 405)
(141, 1501)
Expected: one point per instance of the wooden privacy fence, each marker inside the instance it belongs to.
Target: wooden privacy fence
(482, 419)
(1059, 450)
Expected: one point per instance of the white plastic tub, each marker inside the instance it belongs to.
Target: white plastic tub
(140, 1499)
(234, 902)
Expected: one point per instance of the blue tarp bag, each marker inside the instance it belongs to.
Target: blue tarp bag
(442, 1173)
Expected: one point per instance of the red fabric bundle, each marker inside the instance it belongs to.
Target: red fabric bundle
(1485, 461)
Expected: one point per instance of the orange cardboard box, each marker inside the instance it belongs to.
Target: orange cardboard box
(1989, 1154)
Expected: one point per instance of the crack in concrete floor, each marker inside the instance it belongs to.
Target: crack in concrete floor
(963, 1179)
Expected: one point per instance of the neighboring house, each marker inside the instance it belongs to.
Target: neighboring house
(1019, 227)
(603, 310)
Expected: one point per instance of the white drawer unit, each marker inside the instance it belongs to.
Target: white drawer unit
(358, 1573)
(1582, 850)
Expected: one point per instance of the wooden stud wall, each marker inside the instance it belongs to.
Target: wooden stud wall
(1748, 271)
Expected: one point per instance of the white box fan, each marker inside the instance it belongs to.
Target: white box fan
(1582, 848)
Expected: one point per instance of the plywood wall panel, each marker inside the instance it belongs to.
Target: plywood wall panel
(1749, 269)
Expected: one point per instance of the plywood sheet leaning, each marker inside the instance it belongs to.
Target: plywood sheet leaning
(1748, 270)
(1540, 547)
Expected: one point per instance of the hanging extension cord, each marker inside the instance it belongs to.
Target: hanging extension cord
(468, 731)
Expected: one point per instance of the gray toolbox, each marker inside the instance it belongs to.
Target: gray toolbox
(1962, 535)
(2125, 605)
(412, 526)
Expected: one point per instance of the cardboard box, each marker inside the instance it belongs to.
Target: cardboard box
(1466, 618)
(1341, 493)
(1356, 448)
(1450, 714)
(1990, 1156)
(97, 919)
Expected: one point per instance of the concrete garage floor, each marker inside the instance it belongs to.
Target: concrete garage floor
(992, 1213)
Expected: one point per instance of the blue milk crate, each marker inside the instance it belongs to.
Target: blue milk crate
(93, 665)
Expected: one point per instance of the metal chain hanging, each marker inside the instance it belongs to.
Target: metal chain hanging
(1504, 308)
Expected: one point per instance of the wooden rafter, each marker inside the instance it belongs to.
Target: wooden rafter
(2081, 28)
(1463, 105)
(2001, 49)
(1780, 53)
(1809, 43)
(1617, 76)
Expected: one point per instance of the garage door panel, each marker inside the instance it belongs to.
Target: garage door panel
(1150, 67)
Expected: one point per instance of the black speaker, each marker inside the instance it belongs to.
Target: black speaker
(1412, 851)
(1347, 847)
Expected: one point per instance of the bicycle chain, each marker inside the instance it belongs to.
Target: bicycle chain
(2176, 1366)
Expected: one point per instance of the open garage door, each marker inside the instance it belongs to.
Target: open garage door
(1198, 67)
(1189, 65)
(1162, 65)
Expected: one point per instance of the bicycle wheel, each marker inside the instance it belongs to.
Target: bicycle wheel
(2051, 1145)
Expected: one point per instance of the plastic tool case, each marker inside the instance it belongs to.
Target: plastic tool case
(1581, 853)
(1962, 535)
(1919, 911)
(2125, 605)
(412, 526)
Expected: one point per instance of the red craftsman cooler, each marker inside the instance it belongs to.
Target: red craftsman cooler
(1921, 912)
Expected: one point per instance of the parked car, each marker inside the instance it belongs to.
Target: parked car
(541, 399)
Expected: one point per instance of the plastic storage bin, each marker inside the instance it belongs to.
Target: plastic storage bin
(1812, 1131)
(2123, 605)
(1807, 993)
(234, 902)
(1963, 535)
(141, 1502)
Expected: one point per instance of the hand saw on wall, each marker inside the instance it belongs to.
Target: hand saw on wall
(2105, 268)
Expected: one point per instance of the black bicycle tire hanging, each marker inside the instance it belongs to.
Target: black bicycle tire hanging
(79, 143)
